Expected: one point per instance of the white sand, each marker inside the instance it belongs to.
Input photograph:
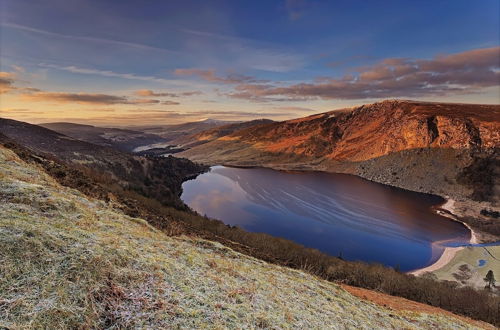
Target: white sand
(449, 252)
(447, 256)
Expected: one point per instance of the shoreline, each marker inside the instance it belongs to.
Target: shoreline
(449, 252)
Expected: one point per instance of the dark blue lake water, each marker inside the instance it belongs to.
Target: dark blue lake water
(334, 213)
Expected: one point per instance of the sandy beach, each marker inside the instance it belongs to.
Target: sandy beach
(447, 256)
(449, 252)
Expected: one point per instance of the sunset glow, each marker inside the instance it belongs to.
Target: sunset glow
(128, 63)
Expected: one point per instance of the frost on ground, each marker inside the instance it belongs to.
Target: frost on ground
(67, 261)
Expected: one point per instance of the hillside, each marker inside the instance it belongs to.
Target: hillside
(447, 149)
(177, 131)
(91, 266)
(214, 133)
(122, 139)
(159, 178)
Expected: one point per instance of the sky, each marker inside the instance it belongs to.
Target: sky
(122, 63)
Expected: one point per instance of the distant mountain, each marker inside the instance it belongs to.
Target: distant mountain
(441, 148)
(208, 135)
(173, 132)
(122, 139)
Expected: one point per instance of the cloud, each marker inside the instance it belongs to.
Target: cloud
(6, 82)
(244, 53)
(191, 93)
(19, 112)
(87, 39)
(170, 103)
(209, 75)
(104, 73)
(18, 68)
(150, 93)
(76, 98)
(143, 101)
(466, 72)
(84, 98)
(14, 110)
(261, 93)
(295, 109)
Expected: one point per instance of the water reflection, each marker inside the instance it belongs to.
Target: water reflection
(334, 213)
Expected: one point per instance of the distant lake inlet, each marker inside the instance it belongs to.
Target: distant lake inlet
(338, 214)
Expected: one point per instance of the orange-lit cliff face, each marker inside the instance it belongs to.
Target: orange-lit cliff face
(379, 129)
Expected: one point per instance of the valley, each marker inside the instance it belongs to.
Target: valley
(157, 189)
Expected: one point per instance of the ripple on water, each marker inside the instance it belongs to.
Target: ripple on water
(335, 213)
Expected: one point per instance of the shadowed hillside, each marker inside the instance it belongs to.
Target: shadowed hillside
(178, 131)
(122, 139)
(158, 178)
(217, 132)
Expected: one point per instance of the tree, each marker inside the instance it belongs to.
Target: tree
(490, 279)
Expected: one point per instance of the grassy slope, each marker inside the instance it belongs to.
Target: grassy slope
(68, 261)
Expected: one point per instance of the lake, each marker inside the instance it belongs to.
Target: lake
(338, 214)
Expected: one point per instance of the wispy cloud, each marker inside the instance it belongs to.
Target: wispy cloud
(15, 110)
(85, 98)
(209, 75)
(105, 73)
(87, 38)
(76, 98)
(244, 53)
(150, 93)
(19, 112)
(170, 103)
(295, 109)
(6, 82)
(191, 93)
